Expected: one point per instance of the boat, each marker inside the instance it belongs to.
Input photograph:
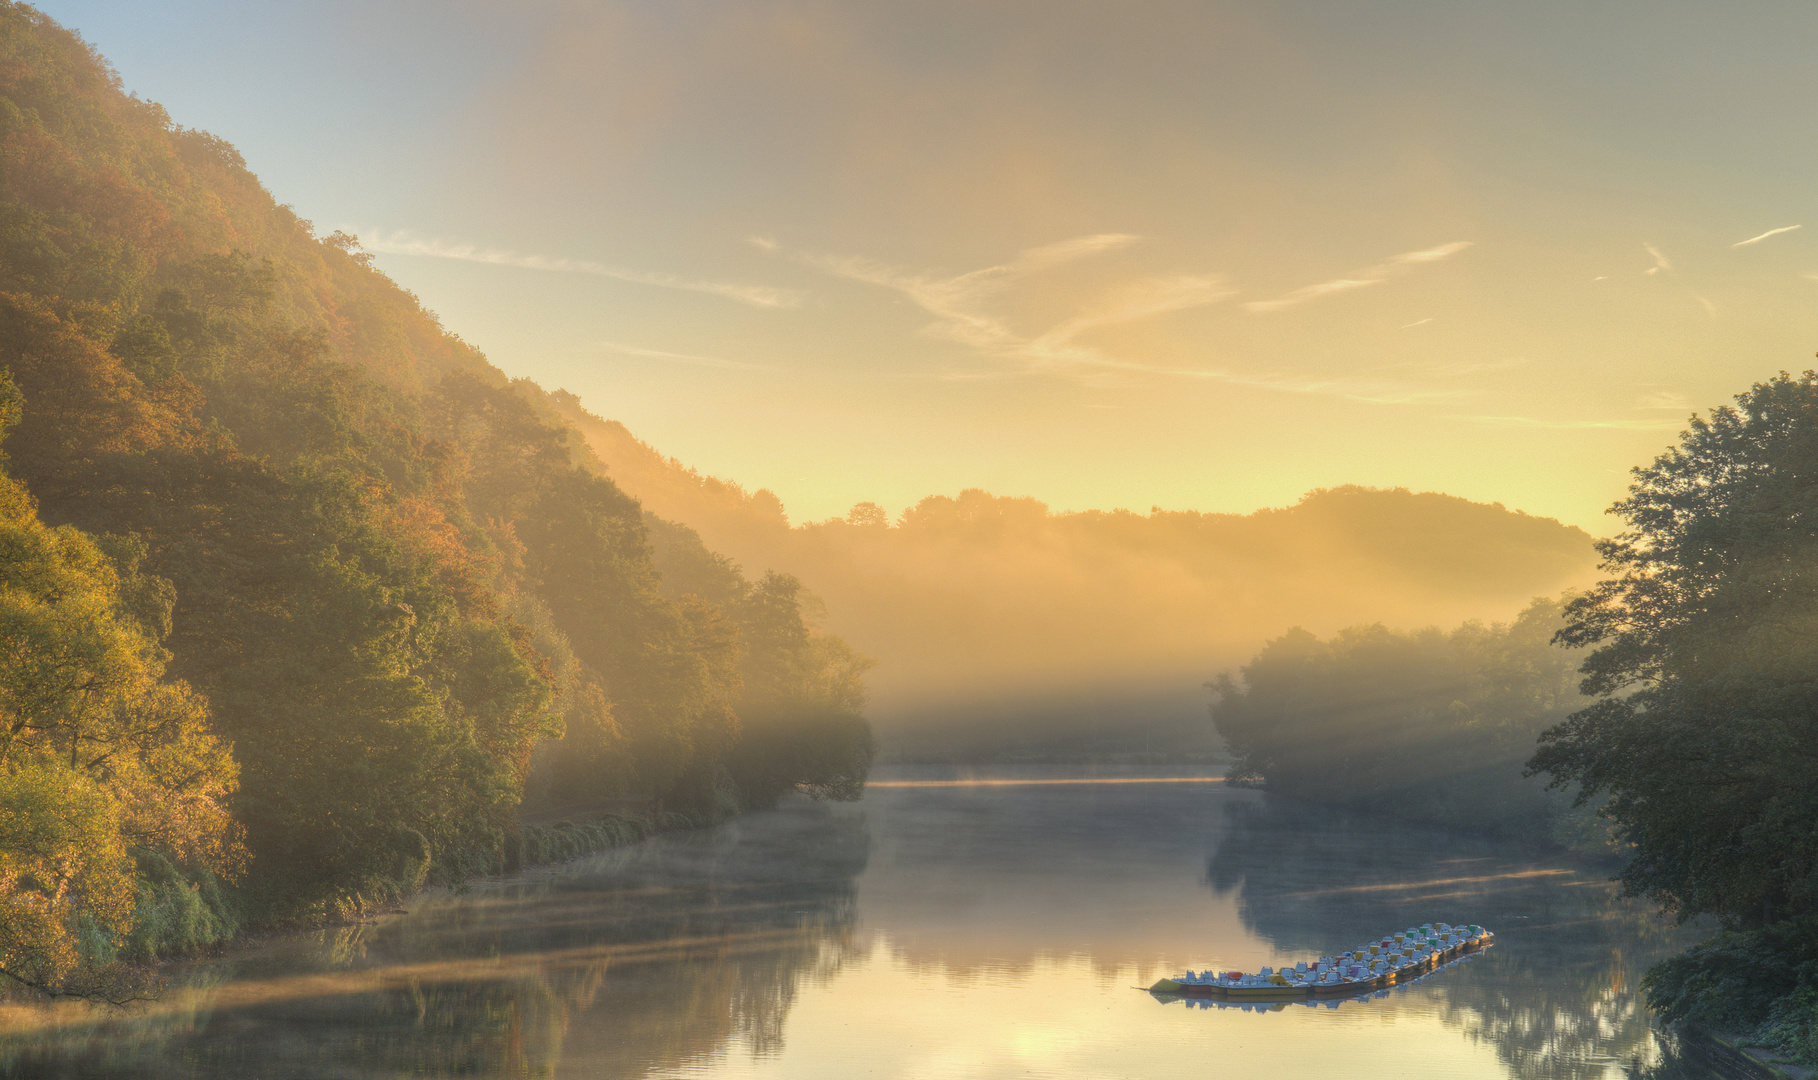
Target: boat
(1377, 965)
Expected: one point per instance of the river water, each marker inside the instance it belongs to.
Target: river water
(936, 929)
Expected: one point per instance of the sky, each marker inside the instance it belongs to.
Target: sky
(1194, 255)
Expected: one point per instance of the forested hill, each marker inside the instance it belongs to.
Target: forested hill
(385, 578)
(1000, 626)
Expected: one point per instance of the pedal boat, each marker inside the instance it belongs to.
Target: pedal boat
(1395, 958)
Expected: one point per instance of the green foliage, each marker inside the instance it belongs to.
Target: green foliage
(1427, 724)
(64, 875)
(175, 914)
(581, 548)
(1761, 984)
(1705, 737)
(688, 568)
(561, 841)
(801, 691)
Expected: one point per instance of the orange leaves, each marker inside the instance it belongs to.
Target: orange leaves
(420, 528)
(81, 400)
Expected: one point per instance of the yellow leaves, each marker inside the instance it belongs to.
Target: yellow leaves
(172, 778)
(62, 858)
(97, 751)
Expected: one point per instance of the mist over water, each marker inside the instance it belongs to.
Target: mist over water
(954, 923)
(1004, 629)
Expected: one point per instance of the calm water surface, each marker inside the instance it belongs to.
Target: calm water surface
(933, 930)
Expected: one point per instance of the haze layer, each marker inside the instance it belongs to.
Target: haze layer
(1205, 256)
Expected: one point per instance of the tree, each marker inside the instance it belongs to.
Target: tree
(1423, 724)
(1706, 662)
(99, 751)
(802, 708)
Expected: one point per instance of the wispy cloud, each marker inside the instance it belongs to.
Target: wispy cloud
(1568, 425)
(1065, 251)
(1670, 400)
(1372, 391)
(960, 303)
(1138, 299)
(1664, 266)
(1113, 373)
(1765, 235)
(399, 242)
(1107, 373)
(1416, 322)
(961, 306)
(683, 358)
(1469, 367)
(1360, 279)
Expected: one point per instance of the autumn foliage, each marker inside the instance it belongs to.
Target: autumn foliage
(296, 589)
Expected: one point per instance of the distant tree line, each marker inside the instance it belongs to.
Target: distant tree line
(300, 598)
(1429, 724)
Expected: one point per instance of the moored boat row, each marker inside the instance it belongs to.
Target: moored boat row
(1396, 957)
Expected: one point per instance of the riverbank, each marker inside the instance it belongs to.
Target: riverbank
(180, 918)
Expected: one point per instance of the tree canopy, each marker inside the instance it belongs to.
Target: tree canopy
(100, 752)
(295, 582)
(1705, 645)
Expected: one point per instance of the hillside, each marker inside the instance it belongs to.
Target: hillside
(301, 593)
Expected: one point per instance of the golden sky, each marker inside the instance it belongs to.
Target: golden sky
(1197, 255)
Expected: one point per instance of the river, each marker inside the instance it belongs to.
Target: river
(935, 929)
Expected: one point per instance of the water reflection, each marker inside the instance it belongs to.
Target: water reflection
(1555, 998)
(1695, 1059)
(632, 962)
(992, 880)
(989, 931)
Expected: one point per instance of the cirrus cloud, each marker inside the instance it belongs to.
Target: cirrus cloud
(400, 242)
(1359, 279)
